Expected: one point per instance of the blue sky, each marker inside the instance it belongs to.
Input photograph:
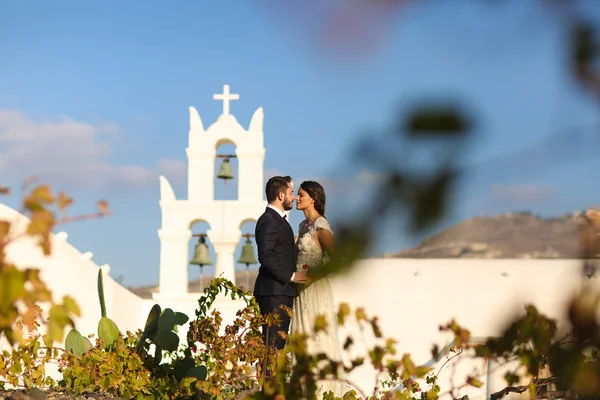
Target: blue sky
(94, 99)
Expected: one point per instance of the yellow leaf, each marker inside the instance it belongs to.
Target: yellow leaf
(422, 371)
(103, 206)
(12, 285)
(392, 366)
(471, 380)
(71, 305)
(389, 345)
(360, 314)
(31, 316)
(41, 222)
(4, 230)
(63, 201)
(343, 312)
(532, 390)
(320, 323)
(44, 194)
(55, 331)
(409, 366)
(375, 327)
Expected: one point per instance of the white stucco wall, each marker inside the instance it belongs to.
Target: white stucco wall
(413, 297)
(67, 271)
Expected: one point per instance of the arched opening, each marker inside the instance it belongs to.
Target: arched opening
(226, 189)
(245, 275)
(199, 276)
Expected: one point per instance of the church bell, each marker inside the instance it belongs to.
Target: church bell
(247, 256)
(201, 256)
(225, 170)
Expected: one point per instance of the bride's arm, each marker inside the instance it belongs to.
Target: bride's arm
(326, 241)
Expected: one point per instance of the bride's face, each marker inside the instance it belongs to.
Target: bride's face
(303, 200)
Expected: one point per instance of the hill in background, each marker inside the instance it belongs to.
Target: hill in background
(512, 235)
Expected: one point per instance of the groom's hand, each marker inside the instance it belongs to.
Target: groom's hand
(301, 277)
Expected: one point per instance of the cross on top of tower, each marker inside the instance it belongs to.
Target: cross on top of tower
(226, 97)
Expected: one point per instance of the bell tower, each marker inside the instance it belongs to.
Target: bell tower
(225, 217)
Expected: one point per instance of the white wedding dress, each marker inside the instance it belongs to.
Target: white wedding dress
(317, 299)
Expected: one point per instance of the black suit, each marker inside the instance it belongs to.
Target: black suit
(273, 288)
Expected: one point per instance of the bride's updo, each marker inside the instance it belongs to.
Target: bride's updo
(317, 193)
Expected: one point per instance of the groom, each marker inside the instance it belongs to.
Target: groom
(276, 282)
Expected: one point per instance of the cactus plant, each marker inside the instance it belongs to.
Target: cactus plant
(101, 293)
(76, 343)
(160, 330)
(107, 329)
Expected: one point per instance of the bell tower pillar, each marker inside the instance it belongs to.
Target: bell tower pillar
(173, 248)
(225, 249)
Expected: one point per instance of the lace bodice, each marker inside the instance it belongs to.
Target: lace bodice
(308, 250)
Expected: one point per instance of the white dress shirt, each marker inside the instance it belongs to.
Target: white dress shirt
(281, 213)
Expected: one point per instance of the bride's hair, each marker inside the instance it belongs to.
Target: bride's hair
(317, 193)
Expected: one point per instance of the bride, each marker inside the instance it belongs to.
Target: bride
(316, 298)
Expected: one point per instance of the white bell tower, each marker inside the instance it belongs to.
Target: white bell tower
(225, 217)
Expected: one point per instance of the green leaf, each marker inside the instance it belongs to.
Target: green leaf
(181, 318)
(101, 294)
(200, 372)
(167, 340)
(107, 331)
(437, 120)
(157, 354)
(431, 199)
(76, 343)
(183, 366)
(511, 378)
(166, 321)
(482, 351)
(152, 320)
(585, 45)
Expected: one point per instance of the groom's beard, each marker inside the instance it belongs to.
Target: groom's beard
(288, 205)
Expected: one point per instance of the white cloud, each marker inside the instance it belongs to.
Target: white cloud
(66, 152)
(523, 194)
(174, 170)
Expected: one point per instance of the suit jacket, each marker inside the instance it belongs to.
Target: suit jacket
(275, 241)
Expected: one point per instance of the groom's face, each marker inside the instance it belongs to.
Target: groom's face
(288, 200)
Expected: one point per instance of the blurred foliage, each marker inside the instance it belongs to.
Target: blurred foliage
(566, 366)
(23, 294)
